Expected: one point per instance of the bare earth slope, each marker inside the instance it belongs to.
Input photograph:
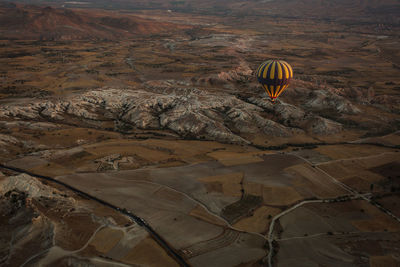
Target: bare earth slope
(18, 22)
(49, 226)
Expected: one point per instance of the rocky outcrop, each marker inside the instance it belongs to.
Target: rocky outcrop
(32, 187)
(320, 97)
(241, 74)
(24, 231)
(8, 140)
(28, 125)
(292, 116)
(360, 95)
(324, 99)
(189, 112)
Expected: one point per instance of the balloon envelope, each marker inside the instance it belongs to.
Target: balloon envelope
(274, 76)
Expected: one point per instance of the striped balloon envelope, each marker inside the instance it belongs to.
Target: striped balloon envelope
(274, 76)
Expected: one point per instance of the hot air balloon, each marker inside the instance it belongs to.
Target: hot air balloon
(274, 76)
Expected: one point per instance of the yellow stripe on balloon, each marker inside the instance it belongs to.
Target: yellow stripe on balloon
(259, 71)
(272, 87)
(279, 70)
(286, 68)
(270, 90)
(266, 69)
(286, 71)
(272, 72)
(282, 89)
(290, 69)
(277, 90)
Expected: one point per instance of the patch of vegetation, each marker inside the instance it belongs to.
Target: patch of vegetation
(284, 146)
(15, 54)
(91, 71)
(342, 72)
(175, 3)
(122, 127)
(391, 172)
(241, 208)
(383, 130)
(107, 65)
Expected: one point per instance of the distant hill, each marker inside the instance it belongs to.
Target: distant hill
(48, 23)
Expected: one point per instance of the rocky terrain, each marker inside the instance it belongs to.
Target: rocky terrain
(195, 113)
(187, 111)
(42, 225)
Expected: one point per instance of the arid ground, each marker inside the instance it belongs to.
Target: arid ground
(135, 134)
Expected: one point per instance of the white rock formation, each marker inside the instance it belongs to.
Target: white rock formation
(323, 99)
(292, 116)
(27, 184)
(189, 112)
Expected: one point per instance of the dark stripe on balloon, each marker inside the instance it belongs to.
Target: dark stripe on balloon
(283, 73)
(269, 71)
(259, 69)
(268, 90)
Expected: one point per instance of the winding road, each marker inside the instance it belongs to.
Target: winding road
(353, 193)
